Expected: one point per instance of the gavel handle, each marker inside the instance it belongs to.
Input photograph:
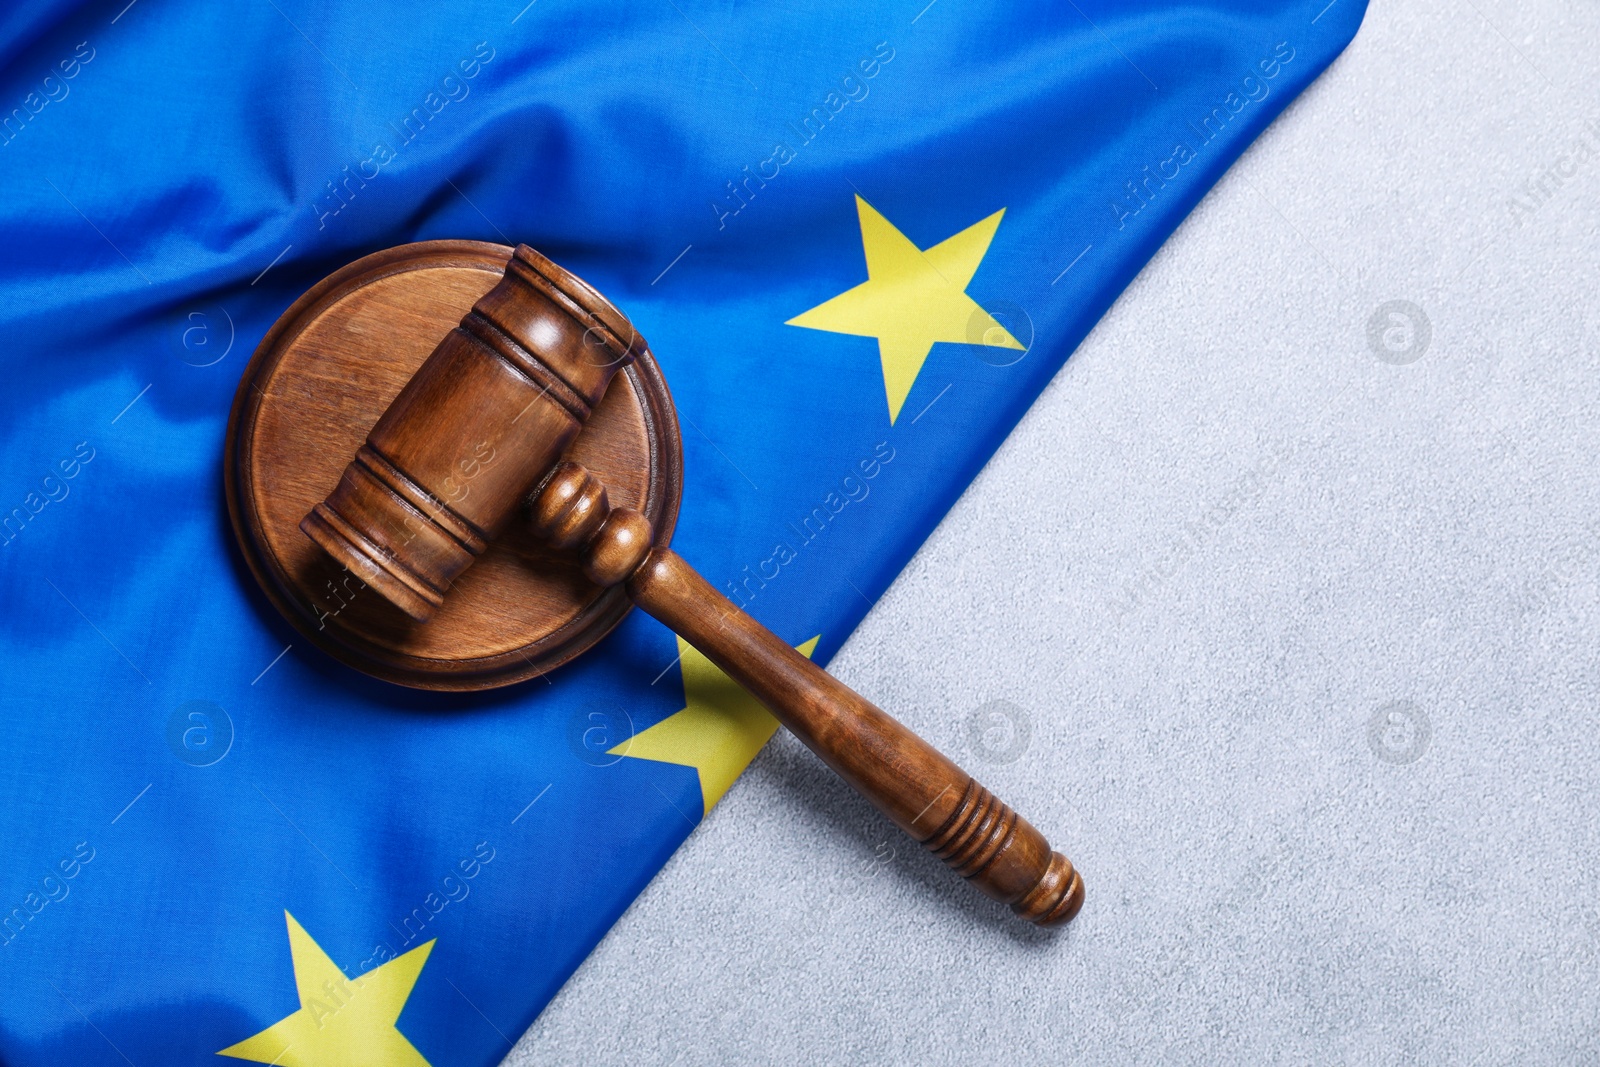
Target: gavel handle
(907, 779)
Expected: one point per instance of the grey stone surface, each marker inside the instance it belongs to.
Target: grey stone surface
(1305, 638)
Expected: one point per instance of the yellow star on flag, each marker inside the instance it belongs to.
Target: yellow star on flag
(912, 299)
(719, 730)
(342, 1022)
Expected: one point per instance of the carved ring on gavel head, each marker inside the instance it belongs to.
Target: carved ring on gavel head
(508, 440)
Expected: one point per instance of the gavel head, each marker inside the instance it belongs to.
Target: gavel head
(516, 380)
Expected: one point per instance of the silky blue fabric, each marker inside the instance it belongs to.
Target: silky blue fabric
(175, 173)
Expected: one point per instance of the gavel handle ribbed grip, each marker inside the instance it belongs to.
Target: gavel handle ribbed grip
(910, 781)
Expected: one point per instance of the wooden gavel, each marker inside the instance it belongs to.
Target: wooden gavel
(521, 374)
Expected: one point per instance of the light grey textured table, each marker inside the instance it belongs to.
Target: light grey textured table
(1312, 697)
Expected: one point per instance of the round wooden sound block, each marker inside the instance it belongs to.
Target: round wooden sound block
(319, 381)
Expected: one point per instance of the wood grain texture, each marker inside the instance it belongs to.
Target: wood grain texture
(323, 376)
(540, 377)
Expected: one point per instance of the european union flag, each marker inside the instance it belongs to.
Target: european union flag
(861, 239)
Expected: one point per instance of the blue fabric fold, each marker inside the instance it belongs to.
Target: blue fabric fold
(177, 173)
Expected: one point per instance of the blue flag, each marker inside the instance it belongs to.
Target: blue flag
(860, 238)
